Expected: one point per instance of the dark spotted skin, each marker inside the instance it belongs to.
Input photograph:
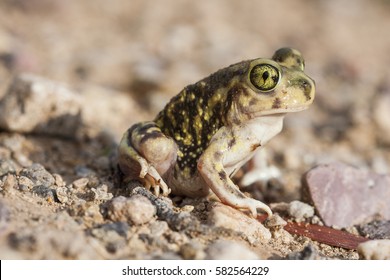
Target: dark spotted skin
(193, 116)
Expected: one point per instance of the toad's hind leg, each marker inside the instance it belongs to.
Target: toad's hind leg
(147, 155)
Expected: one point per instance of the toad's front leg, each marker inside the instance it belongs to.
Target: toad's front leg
(225, 150)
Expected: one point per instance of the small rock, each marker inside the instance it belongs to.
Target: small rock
(9, 183)
(34, 104)
(282, 236)
(230, 218)
(58, 180)
(192, 251)
(94, 182)
(229, 250)
(158, 228)
(44, 192)
(80, 183)
(345, 196)
(187, 208)
(136, 209)
(38, 175)
(25, 183)
(315, 220)
(7, 166)
(92, 215)
(177, 238)
(101, 193)
(300, 211)
(375, 250)
(62, 194)
(376, 230)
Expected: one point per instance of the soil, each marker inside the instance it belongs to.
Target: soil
(61, 195)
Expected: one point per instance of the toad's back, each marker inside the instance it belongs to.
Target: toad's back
(193, 116)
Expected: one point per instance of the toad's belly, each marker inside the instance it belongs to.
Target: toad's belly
(190, 187)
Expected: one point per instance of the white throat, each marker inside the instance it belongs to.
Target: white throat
(265, 127)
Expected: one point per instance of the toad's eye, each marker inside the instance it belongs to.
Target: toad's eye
(264, 77)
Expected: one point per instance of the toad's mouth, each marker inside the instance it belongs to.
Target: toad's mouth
(279, 111)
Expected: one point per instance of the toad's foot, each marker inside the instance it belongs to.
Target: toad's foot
(151, 179)
(252, 205)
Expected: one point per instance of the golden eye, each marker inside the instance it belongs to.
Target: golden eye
(264, 77)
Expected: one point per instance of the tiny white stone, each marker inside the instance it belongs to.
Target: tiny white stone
(375, 249)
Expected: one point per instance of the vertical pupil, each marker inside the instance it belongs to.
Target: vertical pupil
(265, 75)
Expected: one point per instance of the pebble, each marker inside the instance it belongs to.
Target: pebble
(7, 166)
(229, 250)
(35, 104)
(158, 228)
(192, 250)
(9, 183)
(62, 194)
(375, 250)
(38, 175)
(300, 211)
(136, 209)
(80, 183)
(177, 238)
(227, 217)
(345, 196)
(92, 215)
(58, 180)
(187, 208)
(376, 230)
(25, 183)
(100, 193)
(44, 192)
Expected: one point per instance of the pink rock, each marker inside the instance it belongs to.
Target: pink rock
(344, 196)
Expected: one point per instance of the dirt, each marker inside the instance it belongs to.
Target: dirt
(126, 59)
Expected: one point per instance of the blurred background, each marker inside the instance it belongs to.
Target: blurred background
(152, 49)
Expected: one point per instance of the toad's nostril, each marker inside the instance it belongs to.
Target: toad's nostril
(307, 88)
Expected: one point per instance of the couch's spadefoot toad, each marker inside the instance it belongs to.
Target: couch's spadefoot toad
(211, 128)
